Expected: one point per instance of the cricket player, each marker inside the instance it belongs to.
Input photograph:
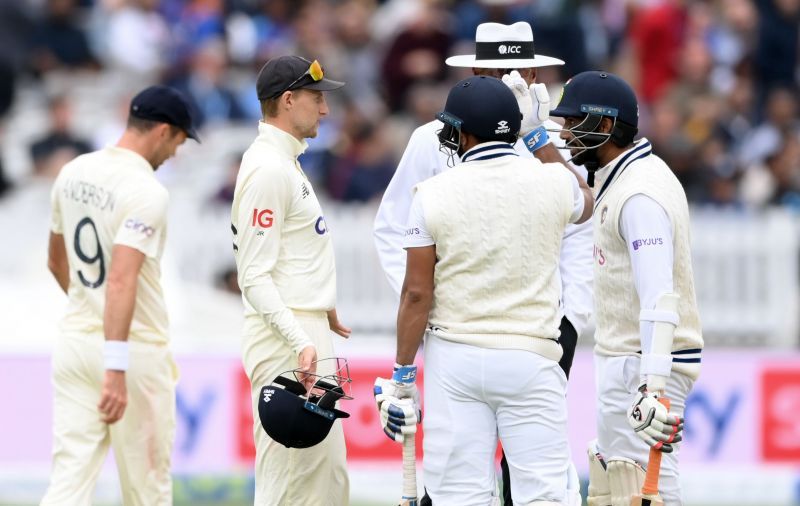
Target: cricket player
(113, 374)
(286, 270)
(481, 284)
(499, 50)
(648, 334)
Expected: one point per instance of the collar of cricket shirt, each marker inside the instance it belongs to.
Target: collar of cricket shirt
(282, 139)
(489, 150)
(605, 176)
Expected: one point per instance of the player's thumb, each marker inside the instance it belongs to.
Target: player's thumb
(540, 96)
(306, 358)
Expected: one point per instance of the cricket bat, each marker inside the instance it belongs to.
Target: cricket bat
(649, 495)
(409, 497)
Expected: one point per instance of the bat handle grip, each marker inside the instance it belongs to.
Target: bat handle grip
(410, 467)
(654, 464)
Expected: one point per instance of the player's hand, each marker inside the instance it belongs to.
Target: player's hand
(336, 325)
(398, 403)
(520, 89)
(653, 423)
(114, 396)
(307, 363)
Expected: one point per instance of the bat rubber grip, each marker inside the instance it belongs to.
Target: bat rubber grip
(410, 468)
(650, 487)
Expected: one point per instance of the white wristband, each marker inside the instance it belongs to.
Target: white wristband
(115, 355)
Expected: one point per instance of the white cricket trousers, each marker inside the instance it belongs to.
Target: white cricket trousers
(472, 396)
(142, 440)
(617, 381)
(315, 476)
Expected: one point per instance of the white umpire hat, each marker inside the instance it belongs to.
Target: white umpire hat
(499, 46)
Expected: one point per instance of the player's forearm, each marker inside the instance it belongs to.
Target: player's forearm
(412, 320)
(61, 273)
(550, 154)
(57, 260)
(120, 303)
(266, 300)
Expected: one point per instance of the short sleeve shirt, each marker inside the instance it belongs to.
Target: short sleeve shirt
(99, 200)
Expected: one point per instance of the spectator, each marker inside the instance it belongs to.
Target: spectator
(137, 37)
(780, 117)
(59, 146)
(59, 41)
(776, 55)
(416, 54)
(206, 86)
(657, 33)
(776, 181)
(194, 22)
(365, 168)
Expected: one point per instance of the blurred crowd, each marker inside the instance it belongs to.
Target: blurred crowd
(717, 79)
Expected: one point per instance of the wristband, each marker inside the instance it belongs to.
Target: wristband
(115, 355)
(405, 374)
(536, 139)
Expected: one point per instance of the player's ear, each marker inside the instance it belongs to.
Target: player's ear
(606, 125)
(164, 130)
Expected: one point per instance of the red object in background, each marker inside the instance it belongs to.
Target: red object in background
(243, 407)
(780, 405)
(362, 431)
(657, 34)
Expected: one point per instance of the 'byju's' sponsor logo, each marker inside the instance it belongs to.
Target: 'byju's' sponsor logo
(412, 231)
(653, 241)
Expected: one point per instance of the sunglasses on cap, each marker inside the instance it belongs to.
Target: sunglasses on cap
(314, 70)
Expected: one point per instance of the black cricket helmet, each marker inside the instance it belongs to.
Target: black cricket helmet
(482, 106)
(592, 96)
(296, 418)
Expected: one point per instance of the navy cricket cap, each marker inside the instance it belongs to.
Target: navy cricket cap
(287, 73)
(294, 420)
(486, 108)
(166, 105)
(596, 92)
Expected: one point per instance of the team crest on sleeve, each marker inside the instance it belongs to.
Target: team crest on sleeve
(561, 95)
(603, 214)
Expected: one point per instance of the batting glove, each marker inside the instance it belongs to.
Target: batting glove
(534, 104)
(398, 403)
(653, 423)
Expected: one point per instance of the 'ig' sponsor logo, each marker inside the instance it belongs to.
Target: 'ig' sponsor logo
(262, 218)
